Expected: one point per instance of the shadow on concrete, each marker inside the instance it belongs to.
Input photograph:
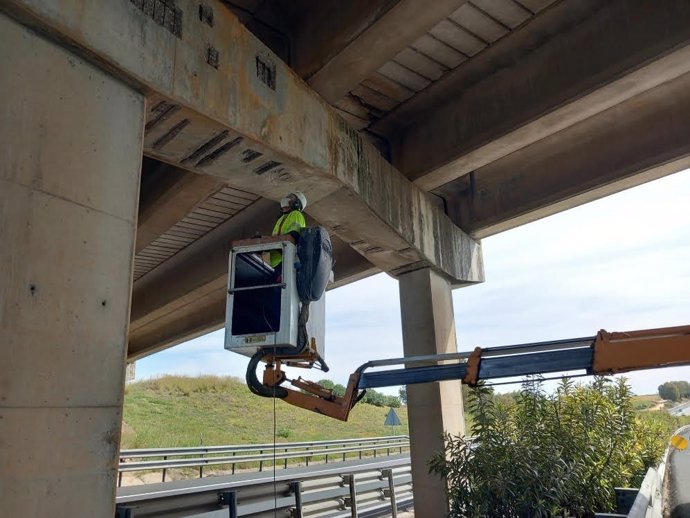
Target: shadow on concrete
(680, 511)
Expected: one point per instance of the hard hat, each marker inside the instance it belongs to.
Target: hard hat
(302, 199)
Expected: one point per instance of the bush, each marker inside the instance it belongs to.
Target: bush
(549, 455)
(187, 385)
(392, 401)
(284, 433)
(372, 397)
(643, 405)
(338, 389)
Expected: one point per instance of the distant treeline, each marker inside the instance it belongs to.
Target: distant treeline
(674, 390)
(372, 397)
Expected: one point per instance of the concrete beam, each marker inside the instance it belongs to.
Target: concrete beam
(171, 195)
(572, 62)
(634, 142)
(185, 296)
(372, 35)
(206, 314)
(318, 36)
(197, 269)
(225, 106)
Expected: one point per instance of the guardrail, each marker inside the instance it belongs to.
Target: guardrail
(255, 455)
(366, 488)
(649, 502)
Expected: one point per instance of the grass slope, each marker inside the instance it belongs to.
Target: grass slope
(188, 411)
(646, 402)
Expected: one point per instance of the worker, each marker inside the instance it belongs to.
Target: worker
(291, 221)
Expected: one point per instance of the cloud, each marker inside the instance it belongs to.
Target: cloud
(620, 263)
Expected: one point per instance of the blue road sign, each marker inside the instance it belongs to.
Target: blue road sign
(392, 419)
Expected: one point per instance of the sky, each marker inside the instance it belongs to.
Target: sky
(620, 263)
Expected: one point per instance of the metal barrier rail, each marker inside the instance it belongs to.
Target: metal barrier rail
(218, 455)
(649, 502)
(363, 488)
(193, 450)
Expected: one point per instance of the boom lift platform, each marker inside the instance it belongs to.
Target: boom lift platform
(278, 315)
(282, 335)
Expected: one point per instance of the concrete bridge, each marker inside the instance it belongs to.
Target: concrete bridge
(414, 128)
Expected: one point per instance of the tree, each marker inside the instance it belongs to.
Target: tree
(548, 455)
(402, 395)
(674, 390)
(392, 401)
(339, 390)
(327, 384)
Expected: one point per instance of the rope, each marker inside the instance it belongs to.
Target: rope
(275, 488)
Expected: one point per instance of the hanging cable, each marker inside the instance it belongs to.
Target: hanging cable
(275, 490)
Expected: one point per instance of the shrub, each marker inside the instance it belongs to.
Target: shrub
(643, 405)
(187, 385)
(548, 455)
(372, 397)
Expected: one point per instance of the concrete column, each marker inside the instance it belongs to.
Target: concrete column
(69, 178)
(429, 328)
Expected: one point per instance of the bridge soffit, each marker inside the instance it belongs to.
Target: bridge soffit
(221, 103)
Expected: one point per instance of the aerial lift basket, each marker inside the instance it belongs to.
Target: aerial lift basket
(277, 316)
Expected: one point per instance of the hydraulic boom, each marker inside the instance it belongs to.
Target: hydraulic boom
(605, 353)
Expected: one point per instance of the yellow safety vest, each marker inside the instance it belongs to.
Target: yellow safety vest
(290, 222)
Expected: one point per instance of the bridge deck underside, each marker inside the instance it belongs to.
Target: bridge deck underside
(505, 111)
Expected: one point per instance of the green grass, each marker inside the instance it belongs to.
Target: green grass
(645, 402)
(189, 411)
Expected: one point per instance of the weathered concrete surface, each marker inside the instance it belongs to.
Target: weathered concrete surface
(318, 36)
(69, 180)
(574, 61)
(434, 408)
(634, 142)
(401, 24)
(254, 123)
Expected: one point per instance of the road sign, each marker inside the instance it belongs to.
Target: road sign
(392, 419)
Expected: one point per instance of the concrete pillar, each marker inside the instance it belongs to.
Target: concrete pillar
(429, 328)
(69, 178)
